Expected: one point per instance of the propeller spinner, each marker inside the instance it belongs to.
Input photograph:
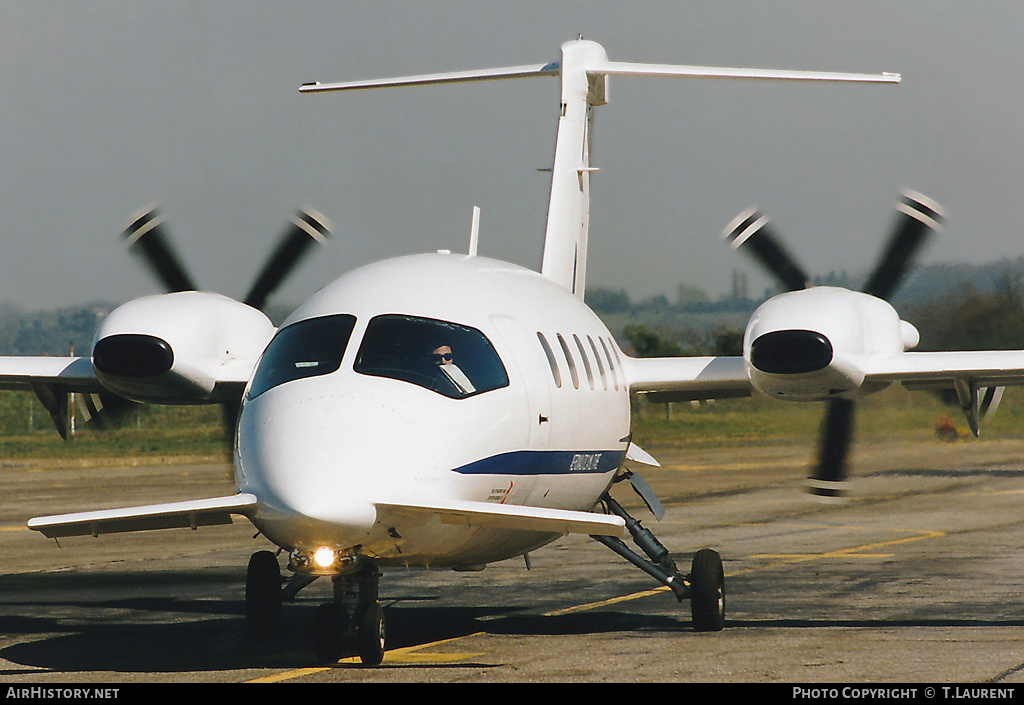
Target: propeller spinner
(917, 218)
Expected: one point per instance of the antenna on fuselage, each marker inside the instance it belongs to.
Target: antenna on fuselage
(584, 70)
(474, 232)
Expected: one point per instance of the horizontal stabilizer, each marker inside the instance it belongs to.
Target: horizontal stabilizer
(520, 518)
(191, 514)
(437, 78)
(619, 68)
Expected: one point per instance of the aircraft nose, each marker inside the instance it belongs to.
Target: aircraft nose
(322, 460)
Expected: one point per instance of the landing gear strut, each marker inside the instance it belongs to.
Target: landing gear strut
(704, 586)
(352, 623)
(354, 620)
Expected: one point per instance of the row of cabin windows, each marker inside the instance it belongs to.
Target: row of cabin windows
(607, 365)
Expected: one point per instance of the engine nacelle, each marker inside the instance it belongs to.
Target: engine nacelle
(175, 348)
(813, 344)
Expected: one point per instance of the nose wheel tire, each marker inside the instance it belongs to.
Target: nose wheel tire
(329, 633)
(334, 637)
(370, 636)
(707, 591)
(263, 592)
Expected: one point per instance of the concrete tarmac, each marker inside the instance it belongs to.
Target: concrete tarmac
(916, 578)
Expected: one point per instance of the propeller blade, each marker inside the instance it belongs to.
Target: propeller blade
(147, 239)
(307, 228)
(750, 230)
(829, 477)
(105, 410)
(917, 218)
(229, 411)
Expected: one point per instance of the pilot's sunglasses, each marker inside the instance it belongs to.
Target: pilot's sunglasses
(442, 356)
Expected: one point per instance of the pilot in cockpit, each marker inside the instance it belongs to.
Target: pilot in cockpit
(444, 358)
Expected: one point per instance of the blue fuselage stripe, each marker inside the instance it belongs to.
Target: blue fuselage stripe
(545, 462)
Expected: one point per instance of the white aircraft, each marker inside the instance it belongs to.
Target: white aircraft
(356, 451)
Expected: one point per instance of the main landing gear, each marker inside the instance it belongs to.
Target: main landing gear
(352, 624)
(704, 586)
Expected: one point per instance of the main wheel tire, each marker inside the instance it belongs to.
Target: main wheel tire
(707, 591)
(263, 592)
(370, 635)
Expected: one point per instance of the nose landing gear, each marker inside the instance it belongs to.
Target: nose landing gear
(352, 624)
(354, 621)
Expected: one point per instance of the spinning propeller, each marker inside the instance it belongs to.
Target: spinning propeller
(917, 217)
(147, 238)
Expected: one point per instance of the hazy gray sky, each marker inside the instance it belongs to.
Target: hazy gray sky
(107, 106)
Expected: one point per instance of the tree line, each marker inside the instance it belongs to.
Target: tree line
(955, 307)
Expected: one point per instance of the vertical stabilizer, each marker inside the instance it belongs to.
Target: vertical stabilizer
(565, 240)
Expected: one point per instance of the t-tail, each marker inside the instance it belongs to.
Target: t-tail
(584, 69)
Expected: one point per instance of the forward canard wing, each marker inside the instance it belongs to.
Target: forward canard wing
(191, 514)
(507, 516)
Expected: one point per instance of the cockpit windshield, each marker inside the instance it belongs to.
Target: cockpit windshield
(453, 360)
(304, 349)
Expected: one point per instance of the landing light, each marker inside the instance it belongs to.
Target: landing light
(324, 557)
(323, 560)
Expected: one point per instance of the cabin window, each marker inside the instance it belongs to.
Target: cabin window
(568, 358)
(600, 365)
(304, 349)
(552, 362)
(611, 365)
(615, 352)
(450, 359)
(586, 360)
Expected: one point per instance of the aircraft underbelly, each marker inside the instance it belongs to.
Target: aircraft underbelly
(427, 541)
(459, 547)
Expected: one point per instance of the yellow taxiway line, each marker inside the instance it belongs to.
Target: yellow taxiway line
(412, 654)
(407, 655)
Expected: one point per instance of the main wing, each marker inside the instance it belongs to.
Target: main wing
(73, 374)
(984, 368)
(54, 379)
(669, 379)
(699, 378)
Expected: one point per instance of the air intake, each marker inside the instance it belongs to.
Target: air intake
(791, 352)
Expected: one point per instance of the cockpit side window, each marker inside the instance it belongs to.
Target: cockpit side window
(450, 359)
(303, 349)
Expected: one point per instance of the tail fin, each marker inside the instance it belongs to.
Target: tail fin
(584, 70)
(568, 224)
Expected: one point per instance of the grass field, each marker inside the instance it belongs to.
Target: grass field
(894, 415)
(891, 416)
(26, 431)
